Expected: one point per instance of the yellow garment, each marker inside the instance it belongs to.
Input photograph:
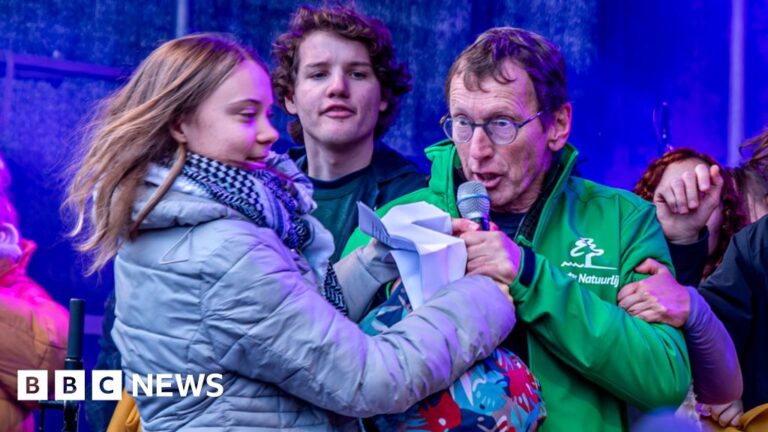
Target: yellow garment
(126, 416)
(34, 336)
(754, 420)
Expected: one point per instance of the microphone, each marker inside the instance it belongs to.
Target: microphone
(74, 360)
(474, 203)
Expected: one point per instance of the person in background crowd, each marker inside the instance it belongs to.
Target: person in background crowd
(668, 182)
(33, 325)
(699, 211)
(736, 292)
(751, 177)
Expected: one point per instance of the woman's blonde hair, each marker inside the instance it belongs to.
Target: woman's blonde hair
(132, 127)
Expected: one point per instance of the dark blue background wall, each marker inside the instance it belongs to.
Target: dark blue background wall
(624, 59)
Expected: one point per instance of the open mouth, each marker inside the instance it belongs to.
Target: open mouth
(488, 180)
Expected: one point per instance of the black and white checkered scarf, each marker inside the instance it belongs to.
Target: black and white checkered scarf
(276, 197)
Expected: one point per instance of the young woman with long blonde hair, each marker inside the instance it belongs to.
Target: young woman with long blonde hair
(219, 267)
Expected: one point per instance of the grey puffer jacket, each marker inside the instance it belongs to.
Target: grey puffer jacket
(203, 290)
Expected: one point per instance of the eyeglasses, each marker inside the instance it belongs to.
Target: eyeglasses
(501, 130)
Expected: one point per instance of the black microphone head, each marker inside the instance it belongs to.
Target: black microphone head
(473, 201)
(76, 324)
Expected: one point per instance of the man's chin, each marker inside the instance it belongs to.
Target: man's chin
(501, 199)
(341, 140)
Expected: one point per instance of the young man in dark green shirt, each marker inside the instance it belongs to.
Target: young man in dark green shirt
(337, 73)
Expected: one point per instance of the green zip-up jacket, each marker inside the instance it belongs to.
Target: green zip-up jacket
(581, 242)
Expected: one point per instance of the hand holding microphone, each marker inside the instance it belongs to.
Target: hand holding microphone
(489, 253)
(474, 203)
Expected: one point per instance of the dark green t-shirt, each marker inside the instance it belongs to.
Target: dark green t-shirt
(337, 205)
(508, 222)
(388, 176)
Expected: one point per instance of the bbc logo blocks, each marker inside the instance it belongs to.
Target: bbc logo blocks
(32, 385)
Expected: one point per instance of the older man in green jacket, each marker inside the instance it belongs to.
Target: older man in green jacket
(565, 245)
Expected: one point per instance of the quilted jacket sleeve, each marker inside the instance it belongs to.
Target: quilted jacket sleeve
(268, 323)
(362, 273)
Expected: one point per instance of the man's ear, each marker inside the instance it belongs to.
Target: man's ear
(177, 131)
(383, 105)
(560, 128)
(289, 105)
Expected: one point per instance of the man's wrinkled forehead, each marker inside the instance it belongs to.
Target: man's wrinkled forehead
(507, 73)
(508, 85)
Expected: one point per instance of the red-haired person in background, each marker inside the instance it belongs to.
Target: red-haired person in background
(699, 210)
(34, 326)
(671, 176)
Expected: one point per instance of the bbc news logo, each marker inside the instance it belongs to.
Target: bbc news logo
(107, 385)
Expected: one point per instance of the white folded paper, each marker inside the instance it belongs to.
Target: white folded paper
(427, 256)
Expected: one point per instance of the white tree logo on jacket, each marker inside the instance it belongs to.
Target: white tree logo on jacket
(586, 247)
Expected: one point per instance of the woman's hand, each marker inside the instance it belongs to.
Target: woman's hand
(658, 298)
(684, 206)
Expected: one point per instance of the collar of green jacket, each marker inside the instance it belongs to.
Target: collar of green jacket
(443, 182)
